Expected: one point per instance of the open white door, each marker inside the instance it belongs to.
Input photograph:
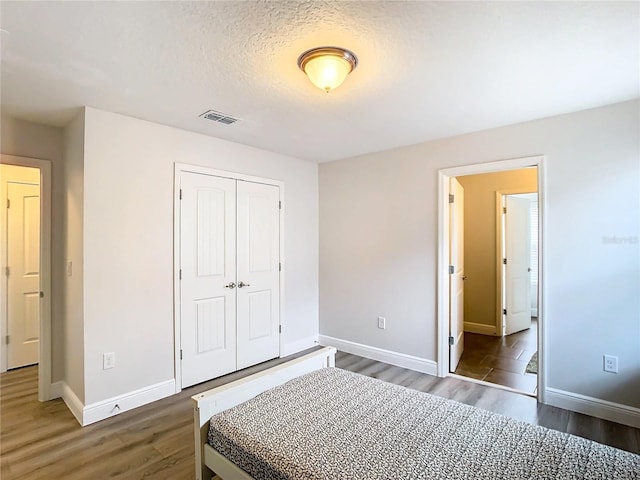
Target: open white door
(517, 284)
(23, 282)
(456, 274)
(258, 294)
(207, 288)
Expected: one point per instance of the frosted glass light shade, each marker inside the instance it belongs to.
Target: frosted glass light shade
(327, 67)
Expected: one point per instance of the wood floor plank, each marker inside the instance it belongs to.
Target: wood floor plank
(43, 440)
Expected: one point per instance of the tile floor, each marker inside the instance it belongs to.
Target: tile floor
(501, 360)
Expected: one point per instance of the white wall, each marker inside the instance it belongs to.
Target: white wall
(26, 139)
(74, 348)
(378, 246)
(128, 244)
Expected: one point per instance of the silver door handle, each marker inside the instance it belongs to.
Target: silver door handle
(232, 285)
(242, 284)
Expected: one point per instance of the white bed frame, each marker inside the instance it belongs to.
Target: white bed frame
(216, 400)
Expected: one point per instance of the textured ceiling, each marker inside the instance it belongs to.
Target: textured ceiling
(426, 69)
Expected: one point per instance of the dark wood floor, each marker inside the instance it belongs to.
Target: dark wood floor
(501, 360)
(43, 440)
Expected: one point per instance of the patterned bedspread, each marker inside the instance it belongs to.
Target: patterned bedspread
(335, 424)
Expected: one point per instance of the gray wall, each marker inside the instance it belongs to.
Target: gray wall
(378, 243)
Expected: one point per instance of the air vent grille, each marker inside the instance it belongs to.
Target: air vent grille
(219, 117)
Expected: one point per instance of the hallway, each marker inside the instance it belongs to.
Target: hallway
(501, 360)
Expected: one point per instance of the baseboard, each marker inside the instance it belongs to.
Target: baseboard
(614, 412)
(387, 356)
(299, 345)
(481, 328)
(55, 390)
(113, 406)
(73, 402)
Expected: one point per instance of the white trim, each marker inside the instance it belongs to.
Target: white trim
(480, 328)
(45, 360)
(177, 170)
(614, 412)
(298, 345)
(73, 402)
(116, 405)
(56, 390)
(443, 256)
(221, 398)
(417, 364)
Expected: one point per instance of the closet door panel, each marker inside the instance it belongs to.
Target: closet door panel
(258, 273)
(207, 259)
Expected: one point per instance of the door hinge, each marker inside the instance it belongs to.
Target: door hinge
(504, 311)
(180, 194)
(6, 339)
(504, 209)
(180, 354)
(451, 269)
(451, 197)
(504, 261)
(180, 274)
(41, 294)
(8, 203)
(279, 328)
(6, 271)
(280, 266)
(451, 341)
(280, 205)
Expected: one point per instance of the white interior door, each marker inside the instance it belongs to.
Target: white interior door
(258, 272)
(23, 281)
(517, 284)
(207, 288)
(456, 277)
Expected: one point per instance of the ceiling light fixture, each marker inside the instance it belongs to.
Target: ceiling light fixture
(327, 67)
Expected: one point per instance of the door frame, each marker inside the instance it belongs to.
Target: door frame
(499, 247)
(44, 352)
(184, 167)
(443, 256)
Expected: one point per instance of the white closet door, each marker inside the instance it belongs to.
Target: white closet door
(208, 294)
(258, 274)
(518, 255)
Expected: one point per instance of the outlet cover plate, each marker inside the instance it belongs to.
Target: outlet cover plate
(610, 363)
(108, 360)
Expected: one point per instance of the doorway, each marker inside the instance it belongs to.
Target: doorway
(25, 229)
(496, 349)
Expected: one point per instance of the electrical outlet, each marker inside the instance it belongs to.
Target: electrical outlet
(610, 363)
(108, 360)
(382, 323)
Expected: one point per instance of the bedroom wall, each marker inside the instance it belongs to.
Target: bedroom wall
(378, 244)
(128, 244)
(480, 239)
(27, 139)
(74, 346)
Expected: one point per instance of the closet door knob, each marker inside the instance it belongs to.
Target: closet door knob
(242, 284)
(232, 285)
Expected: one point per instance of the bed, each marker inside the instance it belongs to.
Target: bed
(305, 419)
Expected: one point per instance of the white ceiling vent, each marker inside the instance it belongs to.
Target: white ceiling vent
(219, 117)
